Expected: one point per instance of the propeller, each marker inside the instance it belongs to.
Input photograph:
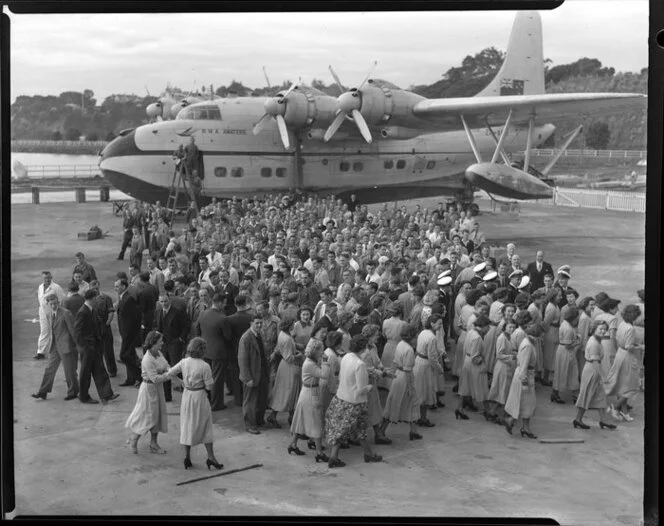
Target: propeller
(349, 104)
(276, 108)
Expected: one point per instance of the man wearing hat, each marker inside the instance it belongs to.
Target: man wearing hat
(524, 285)
(480, 271)
(562, 283)
(537, 270)
(513, 287)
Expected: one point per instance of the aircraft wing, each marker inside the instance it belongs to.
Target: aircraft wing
(546, 107)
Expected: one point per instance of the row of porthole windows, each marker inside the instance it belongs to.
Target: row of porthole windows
(222, 171)
(345, 166)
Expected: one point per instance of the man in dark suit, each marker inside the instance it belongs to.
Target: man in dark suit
(63, 349)
(129, 325)
(74, 301)
(537, 270)
(89, 348)
(513, 287)
(328, 320)
(173, 324)
(502, 279)
(254, 375)
(213, 326)
(104, 311)
(240, 323)
(177, 301)
(226, 287)
(148, 295)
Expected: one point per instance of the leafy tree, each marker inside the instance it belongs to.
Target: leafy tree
(92, 136)
(56, 136)
(73, 134)
(110, 136)
(598, 135)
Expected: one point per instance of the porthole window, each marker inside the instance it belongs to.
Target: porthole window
(220, 171)
(431, 165)
(237, 172)
(266, 172)
(344, 166)
(389, 165)
(401, 164)
(358, 167)
(281, 172)
(324, 162)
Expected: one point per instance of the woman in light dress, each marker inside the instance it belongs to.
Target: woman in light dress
(535, 309)
(302, 328)
(462, 311)
(473, 382)
(195, 412)
(586, 306)
(608, 313)
(551, 323)
(392, 328)
(521, 399)
(402, 404)
(623, 378)
(639, 330)
(376, 371)
(344, 322)
(503, 370)
(149, 413)
(308, 417)
(288, 379)
(427, 367)
(593, 379)
(566, 372)
(333, 354)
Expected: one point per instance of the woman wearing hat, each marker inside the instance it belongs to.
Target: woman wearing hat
(591, 392)
(427, 367)
(195, 412)
(308, 417)
(608, 314)
(521, 399)
(376, 371)
(551, 325)
(288, 379)
(392, 328)
(473, 380)
(402, 404)
(302, 328)
(566, 372)
(149, 413)
(347, 418)
(623, 378)
(503, 370)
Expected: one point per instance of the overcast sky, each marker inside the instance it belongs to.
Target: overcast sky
(124, 53)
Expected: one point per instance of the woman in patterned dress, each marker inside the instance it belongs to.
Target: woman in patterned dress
(566, 374)
(288, 379)
(593, 379)
(376, 371)
(392, 328)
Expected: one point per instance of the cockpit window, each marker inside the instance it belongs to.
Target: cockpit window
(201, 113)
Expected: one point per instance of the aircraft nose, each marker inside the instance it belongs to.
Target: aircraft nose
(121, 146)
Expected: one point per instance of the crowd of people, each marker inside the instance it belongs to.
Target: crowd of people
(303, 310)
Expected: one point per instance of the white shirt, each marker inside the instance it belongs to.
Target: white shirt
(353, 379)
(214, 262)
(53, 288)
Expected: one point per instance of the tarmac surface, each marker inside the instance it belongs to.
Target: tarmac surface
(71, 458)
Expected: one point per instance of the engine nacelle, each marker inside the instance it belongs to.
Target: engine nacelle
(507, 181)
(303, 108)
(316, 134)
(399, 132)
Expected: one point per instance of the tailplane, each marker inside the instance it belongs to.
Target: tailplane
(522, 72)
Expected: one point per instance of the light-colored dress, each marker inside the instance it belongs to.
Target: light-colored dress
(464, 316)
(591, 392)
(566, 372)
(402, 404)
(375, 369)
(288, 379)
(583, 330)
(427, 367)
(302, 334)
(551, 323)
(345, 341)
(490, 347)
(392, 328)
(503, 370)
(608, 344)
(195, 412)
(308, 416)
(149, 412)
(521, 399)
(473, 379)
(623, 378)
(538, 343)
(328, 385)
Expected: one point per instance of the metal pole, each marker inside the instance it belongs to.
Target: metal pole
(219, 474)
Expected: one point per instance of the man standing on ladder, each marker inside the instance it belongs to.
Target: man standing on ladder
(191, 159)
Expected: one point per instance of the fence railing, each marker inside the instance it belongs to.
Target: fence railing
(28, 142)
(601, 199)
(607, 154)
(62, 170)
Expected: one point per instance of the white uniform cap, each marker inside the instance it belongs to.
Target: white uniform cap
(480, 267)
(444, 281)
(490, 275)
(516, 274)
(566, 268)
(524, 282)
(564, 273)
(383, 259)
(444, 273)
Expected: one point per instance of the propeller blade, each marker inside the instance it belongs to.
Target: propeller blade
(283, 131)
(260, 125)
(293, 86)
(336, 79)
(362, 126)
(267, 79)
(336, 123)
(368, 75)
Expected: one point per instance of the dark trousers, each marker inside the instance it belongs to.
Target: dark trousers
(107, 350)
(129, 357)
(125, 243)
(219, 371)
(136, 259)
(254, 401)
(69, 363)
(92, 367)
(172, 351)
(233, 380)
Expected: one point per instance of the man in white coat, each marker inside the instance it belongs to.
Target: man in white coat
(45, 334)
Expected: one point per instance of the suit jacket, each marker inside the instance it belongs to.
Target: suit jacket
(85, 329)
(502, 282)
(240, 323)
(326, 322)
(214, 328)
(173, 324)
(129, 317)
(148, 296)
(73, 303)
(229, 290)
(64, 335)
(537, 278)
(250, 357)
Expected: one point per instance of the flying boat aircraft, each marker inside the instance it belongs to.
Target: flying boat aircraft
(375, 140)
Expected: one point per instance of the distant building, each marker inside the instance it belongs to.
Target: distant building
(124, 99)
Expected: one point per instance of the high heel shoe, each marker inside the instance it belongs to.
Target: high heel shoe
(414, 436)
(508, 425)
(272, 422)
(296, 450)
(460, 414)
(555, 398)
(425, 422)
(335, 463)
(187, 463)
(602, 425)
(580, 425)
(528, 434)
(322, 458)
(133, 445)
(157, 449)
(214, 463)
(311, 445)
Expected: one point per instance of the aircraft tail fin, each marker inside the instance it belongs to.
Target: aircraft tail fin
(522, 72)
